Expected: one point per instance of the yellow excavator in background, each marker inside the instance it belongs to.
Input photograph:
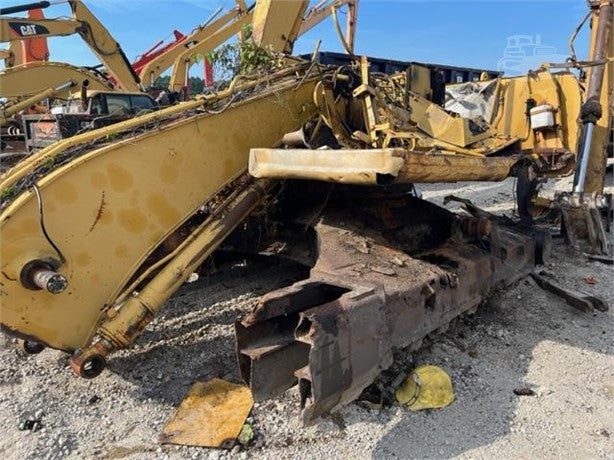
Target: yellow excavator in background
(86, 25)
(25, 85)
(313, 163)
(41, 79)
(232, 23)
(29, 49)
(207, 32)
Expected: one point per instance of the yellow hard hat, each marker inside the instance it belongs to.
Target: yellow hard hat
(428, 387)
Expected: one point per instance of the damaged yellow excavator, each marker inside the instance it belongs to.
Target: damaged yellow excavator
(310, 162)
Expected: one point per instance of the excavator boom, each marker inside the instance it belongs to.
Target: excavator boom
(176, 55)
(275, 27)
(206, 40)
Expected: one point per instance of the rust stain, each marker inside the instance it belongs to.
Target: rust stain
(101, 208)
(8, 277)
(107, 217)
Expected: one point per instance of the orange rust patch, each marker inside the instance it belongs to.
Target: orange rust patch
(100, 213)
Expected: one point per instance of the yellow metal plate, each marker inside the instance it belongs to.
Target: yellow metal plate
(211, 415)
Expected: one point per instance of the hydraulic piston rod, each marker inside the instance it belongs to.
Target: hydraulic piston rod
(26, 7)
(592, 110)
(13, 109)
(138, 310)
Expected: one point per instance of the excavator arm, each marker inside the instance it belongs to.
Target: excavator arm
(84, 23)
(601, 89)
(99, 230)
(276, 26)
(21, 29)
(150, 72)
(207, 40)
(324, 9)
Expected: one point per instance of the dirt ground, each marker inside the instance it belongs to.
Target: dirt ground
(524, 337)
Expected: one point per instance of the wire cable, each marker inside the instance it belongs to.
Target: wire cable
(41, 214)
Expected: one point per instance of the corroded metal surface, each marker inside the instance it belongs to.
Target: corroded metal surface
(378, 284)
(377, 166)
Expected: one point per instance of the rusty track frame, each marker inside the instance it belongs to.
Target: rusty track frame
(333, 333)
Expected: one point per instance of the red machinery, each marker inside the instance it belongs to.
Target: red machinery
(156, 51)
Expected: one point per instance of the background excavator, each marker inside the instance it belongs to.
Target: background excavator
(29, 49)
(316, 164)
(25, 85)
(86, 25)
(32, 81)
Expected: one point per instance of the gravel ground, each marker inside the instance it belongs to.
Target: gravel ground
(523, 338)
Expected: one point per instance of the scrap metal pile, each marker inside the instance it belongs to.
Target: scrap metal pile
(309, 162)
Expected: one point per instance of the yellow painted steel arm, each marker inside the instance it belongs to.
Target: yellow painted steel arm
(15, 29)
(118, 200)
(91, 30)
(595, 175)
(157, 66)
(277, 23)
(186, 59)
(9, 110)
(323, 10)
(105, 47)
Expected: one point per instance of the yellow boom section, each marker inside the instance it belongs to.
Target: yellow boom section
(218, 32)
(157, 66)
(277, 24)
(34, 77)
(109, 209)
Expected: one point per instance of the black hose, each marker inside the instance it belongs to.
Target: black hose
(26, 7)
(41, 215)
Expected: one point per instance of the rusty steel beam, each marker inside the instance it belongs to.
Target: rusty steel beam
(579, 300)
(373, 289)
(377, 166)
